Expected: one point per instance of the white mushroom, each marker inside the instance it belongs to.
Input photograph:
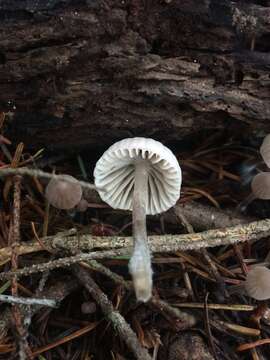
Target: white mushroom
(257, 283)
(142, 175)
(260, 186)
(265, 150)
(64, 194)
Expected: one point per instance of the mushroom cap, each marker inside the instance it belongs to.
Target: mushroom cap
(260, 186)
(265, 150)
(114, 174)
(257, 283)
(63, 194)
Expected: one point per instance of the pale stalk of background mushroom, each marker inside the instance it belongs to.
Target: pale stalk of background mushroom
(144, 176)
(265, 150)
(62, 194)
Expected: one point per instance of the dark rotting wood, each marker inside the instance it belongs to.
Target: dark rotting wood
(74, 72)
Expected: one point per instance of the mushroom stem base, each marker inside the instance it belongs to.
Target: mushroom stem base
(140, 262)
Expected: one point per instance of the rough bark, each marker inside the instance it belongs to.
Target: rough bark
(75, 72)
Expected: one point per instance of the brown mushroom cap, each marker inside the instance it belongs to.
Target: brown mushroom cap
(260, 186)
(257, 283)
(63, 194)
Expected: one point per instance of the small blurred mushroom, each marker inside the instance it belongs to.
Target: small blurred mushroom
(260, 186)
(265, 150)
(260, 183)
(257, 284)
(63, 194)
(144, 176)
(88, 307)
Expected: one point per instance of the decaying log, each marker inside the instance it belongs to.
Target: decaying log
(75, 72)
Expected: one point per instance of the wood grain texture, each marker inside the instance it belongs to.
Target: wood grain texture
(76, 73)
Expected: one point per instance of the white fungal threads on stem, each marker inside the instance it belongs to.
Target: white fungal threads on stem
(140, 263)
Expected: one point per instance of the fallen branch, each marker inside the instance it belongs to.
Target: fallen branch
(168, 243)
(121, 246)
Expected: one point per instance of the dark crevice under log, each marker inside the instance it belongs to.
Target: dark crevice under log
(75, 72)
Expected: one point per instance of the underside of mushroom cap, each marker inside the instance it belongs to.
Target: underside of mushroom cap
(114, 174)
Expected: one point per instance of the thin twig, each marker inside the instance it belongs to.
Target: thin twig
(66, 339)
(233, 307)
(208, 327)
(240, 258)
(239, 329)
(120, 325)
(248, 346)
(63, 262)
(185, 319)
(57, 292)
(46, 219)
(27, 301)
(24, 349)
(42, 174)
(96, 266)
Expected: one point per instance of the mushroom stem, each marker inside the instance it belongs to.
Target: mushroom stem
(140, 262)
(245, 203)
